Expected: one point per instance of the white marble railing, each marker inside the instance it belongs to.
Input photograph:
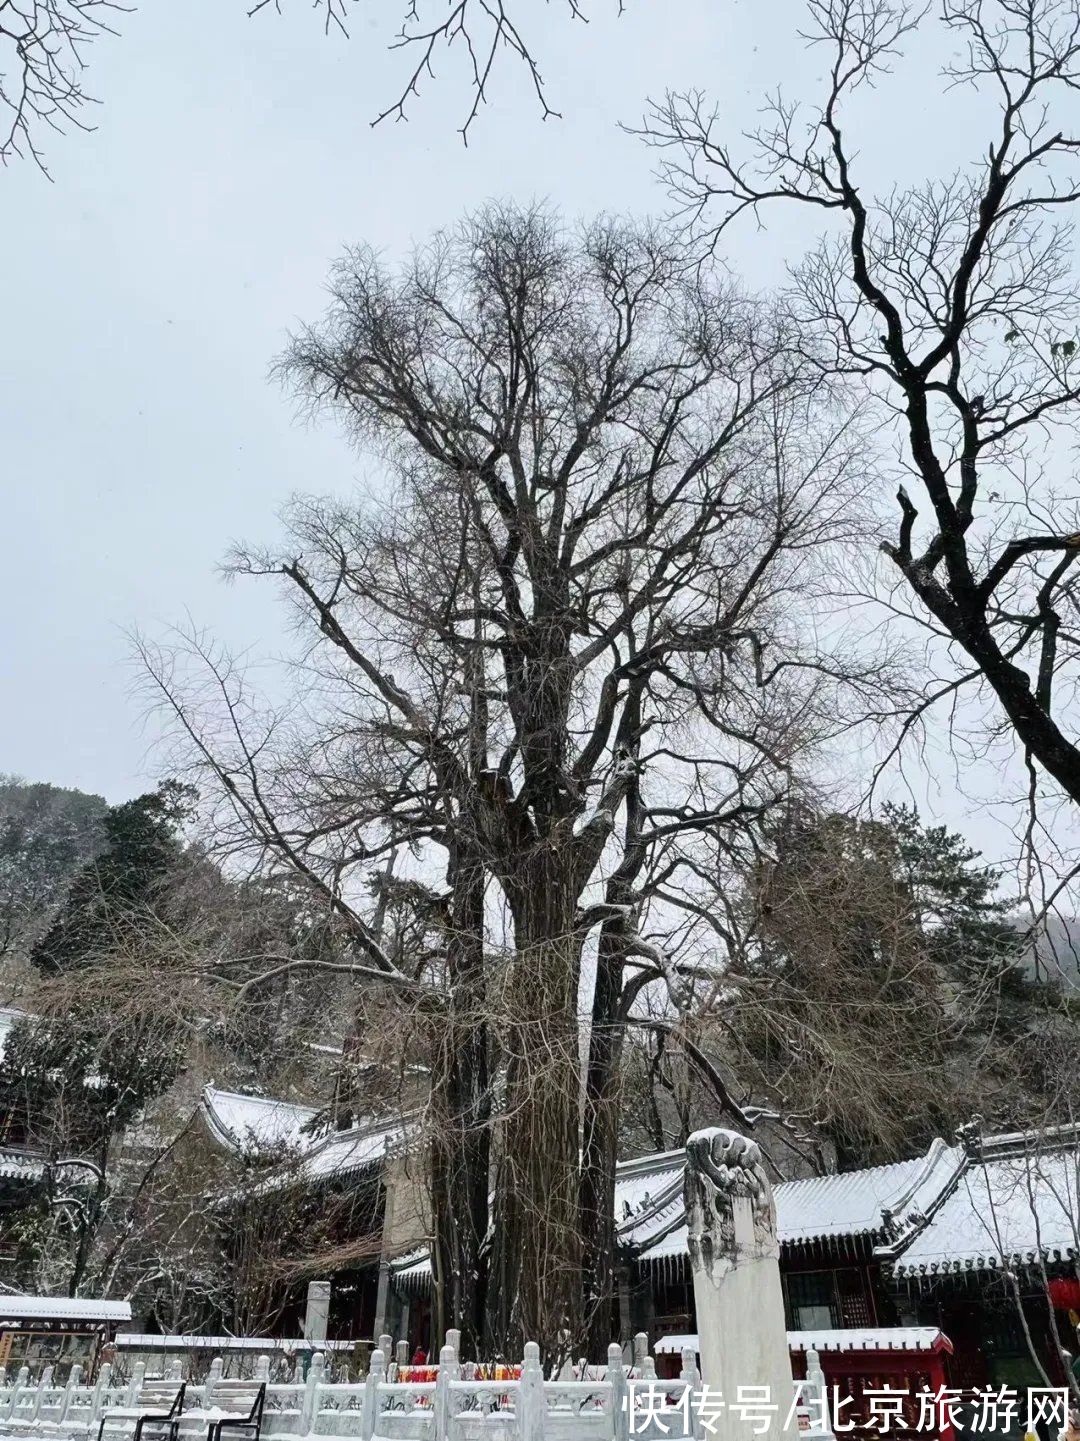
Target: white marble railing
(613, 1403)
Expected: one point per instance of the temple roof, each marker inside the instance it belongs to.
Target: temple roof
(863, 1338)
(1010, 1198)
(245, 1124)
(651, 1221)
(62, 1308)
(1015, 1200)
(21, 1165)
(821, 1208)
(251, 1126)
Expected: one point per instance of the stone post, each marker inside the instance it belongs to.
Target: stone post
(317, 1313)
(72, 1381)
(45, 1384)
(99, 1395)
(213, 1381)
(735, 1260)
(369, 1409)
(816, 1396)
(22, 1381)
(641, 1350)
(531, 1402)
(401, 1353)
(443, 1406)
(22, 1385)
(138, 1372)
(309, 1405)
(691, 1378)
(620, 1393)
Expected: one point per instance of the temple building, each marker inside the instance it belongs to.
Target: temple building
(961, 1249)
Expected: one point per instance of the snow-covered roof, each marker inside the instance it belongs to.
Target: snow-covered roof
(61, 1308)
(651, 1221)
(1015, 1201)
(259, 1123)
(413, 1270)
(20, 1165)
(852, 1203)
(871, 1338)
(946, 1211)
(346, 1151)
(646, 1176)
(675, 1345)
(255, 1123)
(135, 1341)
(248, 1125)
(649, 1198)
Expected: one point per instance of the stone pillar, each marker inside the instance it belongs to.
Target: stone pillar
(626, 1320)
(383, 1318)
(317, 1315)
(735, 1260)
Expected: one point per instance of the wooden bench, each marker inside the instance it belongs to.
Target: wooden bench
(234, 1406)
(159, 1403)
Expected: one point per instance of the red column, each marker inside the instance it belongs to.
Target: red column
(936, 1367)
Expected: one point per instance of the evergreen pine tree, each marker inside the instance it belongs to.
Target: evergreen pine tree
(120, 887)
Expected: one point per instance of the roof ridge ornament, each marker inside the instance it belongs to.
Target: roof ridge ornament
(969, 1137)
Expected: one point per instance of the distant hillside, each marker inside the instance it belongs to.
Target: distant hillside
(46, 833)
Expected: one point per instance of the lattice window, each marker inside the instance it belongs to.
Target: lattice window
(812, 1300)
(855, 1307)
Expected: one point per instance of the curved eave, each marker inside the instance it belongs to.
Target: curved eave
(218, 1132)
(412, 1271)
(859, 1244)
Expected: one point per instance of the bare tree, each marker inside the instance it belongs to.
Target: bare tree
(43, 45)
(952, 304)
(557, 665)
(481, 31)
(846, 930)
(75, 1080)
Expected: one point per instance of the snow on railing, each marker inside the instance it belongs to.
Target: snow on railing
(461, 1403)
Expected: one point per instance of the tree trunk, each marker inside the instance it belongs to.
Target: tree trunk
(600, 1146)
(536, 1285)
(460, 1142)
(90, 1217)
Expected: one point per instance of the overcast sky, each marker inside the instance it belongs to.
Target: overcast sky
(148, 287)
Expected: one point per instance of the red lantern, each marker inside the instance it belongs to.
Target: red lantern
(1064, 1293)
